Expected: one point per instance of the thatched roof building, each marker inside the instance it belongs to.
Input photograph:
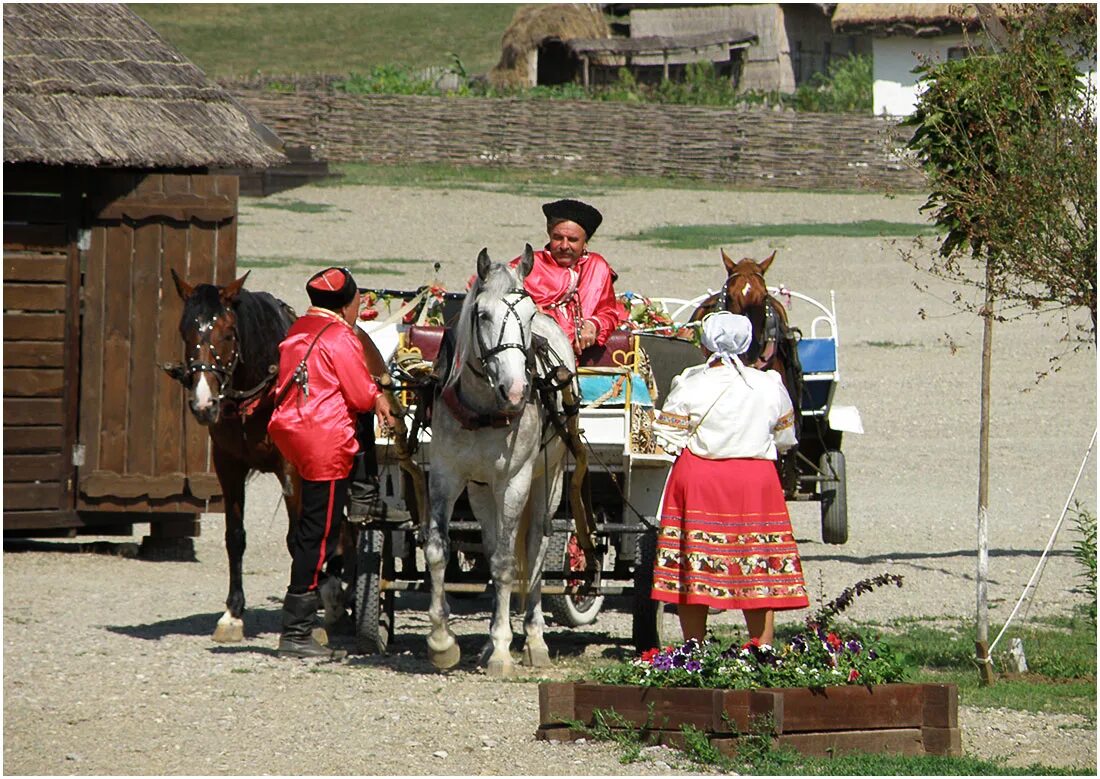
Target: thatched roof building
(95, 85)
(532, 27)
(913, 19)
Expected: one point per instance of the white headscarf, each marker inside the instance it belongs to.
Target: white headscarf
(727, 335)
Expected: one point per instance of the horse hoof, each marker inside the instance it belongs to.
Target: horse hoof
(229, 631)
(500, 669)
(536, 657)
(445, 658)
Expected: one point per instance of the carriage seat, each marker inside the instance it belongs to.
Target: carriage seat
(426, 338)
(818, 359)
(618, 352)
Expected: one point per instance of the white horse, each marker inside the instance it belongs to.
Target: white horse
(489, 434)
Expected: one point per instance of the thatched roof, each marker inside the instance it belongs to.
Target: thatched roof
(657, 44)
(533, 24)
(915, 19)
(95, 85)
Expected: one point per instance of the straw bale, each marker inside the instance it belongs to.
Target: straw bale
(93, 84)
(533, 24)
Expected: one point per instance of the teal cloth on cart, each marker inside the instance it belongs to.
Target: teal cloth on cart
(594, 387)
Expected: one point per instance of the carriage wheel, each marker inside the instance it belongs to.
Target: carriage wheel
(834, 498)
(374, 607)
(564, 554)
(653, 624)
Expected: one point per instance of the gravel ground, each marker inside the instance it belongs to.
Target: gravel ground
(108, 665)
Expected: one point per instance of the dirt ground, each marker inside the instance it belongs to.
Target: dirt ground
(108, 665)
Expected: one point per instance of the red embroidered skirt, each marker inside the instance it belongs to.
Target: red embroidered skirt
(726, 538)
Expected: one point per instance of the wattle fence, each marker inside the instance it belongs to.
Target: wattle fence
(743, 146)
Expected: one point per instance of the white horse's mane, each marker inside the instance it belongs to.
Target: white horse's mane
(499, 281)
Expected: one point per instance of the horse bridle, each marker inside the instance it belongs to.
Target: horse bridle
(484, 351)
(769, 324)
(223, 370)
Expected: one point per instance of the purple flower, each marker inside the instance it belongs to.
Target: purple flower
(872, 654)
(853, 646)
(693, 665)
(678, 660)
(798, 643)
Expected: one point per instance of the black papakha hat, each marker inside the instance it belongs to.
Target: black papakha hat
(574, 211)
(332, 288)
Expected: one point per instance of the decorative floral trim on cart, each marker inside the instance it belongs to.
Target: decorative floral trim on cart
(646, 315)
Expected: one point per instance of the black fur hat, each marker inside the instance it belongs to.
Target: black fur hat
(332, 288)
(574, 211)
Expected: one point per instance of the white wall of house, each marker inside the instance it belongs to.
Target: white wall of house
(896, 88)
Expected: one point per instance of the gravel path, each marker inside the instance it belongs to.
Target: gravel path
(108, 666)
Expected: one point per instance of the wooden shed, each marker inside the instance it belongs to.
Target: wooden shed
(109, 137)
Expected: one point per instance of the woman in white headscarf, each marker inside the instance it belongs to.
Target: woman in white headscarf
(726, 540)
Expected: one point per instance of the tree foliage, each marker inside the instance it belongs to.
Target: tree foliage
(1007, 137)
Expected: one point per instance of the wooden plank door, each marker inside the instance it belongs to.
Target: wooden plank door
(144, 451)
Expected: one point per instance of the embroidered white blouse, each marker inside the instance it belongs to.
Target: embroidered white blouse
(719, 412)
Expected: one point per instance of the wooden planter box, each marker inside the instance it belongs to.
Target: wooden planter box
(899, 719)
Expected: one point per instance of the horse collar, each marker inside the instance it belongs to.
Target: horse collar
(467, 417)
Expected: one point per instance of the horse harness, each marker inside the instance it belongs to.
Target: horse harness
(771, 333)
(244, 401)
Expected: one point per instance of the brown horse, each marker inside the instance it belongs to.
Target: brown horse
(774, 342)
(231, 344)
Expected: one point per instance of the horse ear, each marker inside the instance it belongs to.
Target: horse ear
(230, 291)
(730, 264)
(527, 263)
(182, 287)
(483, 262)
(766, 263)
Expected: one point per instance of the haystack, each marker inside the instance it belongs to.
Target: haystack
(533, 24)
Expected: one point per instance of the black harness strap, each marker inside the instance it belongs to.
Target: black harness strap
(300, 376)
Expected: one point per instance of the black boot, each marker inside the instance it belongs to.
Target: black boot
(299, 617)
(365, 500)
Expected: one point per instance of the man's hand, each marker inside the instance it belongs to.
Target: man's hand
(384, 413)
(587, 335)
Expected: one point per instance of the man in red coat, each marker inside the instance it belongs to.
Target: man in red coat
(570, 283)
(324, 384)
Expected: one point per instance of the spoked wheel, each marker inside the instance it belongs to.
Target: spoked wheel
(653, 624)
(563, 553)
(374, 607)
(834, 498)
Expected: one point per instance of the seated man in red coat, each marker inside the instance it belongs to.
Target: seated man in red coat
(324, 385)
(570, 283)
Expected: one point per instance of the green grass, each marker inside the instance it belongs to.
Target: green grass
(357, 267)
(516, 181)
(241, 39)
(707, 236)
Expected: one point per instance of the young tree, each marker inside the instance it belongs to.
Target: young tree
(1007, 137)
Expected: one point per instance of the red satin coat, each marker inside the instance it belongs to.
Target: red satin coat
(317, 433)
(571, 295)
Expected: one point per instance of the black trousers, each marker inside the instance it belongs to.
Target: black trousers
(318, 533)
(365, 466)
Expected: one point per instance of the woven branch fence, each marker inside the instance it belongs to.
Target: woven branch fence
(740, 146)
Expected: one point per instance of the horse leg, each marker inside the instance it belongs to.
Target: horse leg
(502, 567)
(231, 476)
(536, 653)
(443, 649)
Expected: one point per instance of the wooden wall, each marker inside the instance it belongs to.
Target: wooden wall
(94, 430)
(41, 349)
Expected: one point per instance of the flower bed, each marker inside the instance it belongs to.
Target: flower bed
(904, 719)
(819, 692)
